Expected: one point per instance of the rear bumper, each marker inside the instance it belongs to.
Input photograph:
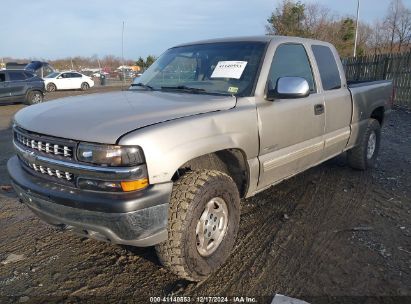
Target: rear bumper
(138, 220)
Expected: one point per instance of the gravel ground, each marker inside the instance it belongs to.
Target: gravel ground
(328, 235)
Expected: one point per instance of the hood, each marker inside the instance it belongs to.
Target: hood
(103, 118)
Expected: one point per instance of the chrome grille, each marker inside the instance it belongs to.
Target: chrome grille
(45, 146)
(52, 172)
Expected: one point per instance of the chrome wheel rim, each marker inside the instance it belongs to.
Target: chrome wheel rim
(84, 86)
(372, 143)
(36, 98)
(212, 226)
(51, 88)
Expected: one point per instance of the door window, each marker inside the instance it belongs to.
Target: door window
(15, 76)
(2, 77)
(291, 60)
(330, 75)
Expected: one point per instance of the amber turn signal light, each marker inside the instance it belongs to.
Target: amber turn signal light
(128, 186)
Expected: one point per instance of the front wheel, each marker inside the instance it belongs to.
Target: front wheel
(85, 86)
(34, 97)
(203, 222)
(365, 154)
(51, 87)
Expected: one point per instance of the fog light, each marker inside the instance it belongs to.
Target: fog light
(134, 185)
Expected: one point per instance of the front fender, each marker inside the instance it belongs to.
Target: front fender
(170, 144)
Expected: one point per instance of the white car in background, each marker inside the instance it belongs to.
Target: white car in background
(67, 81)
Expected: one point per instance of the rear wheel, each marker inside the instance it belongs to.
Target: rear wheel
(85, 86)
(34, 97)
(365, 154)
(51, 87)
(203, 222)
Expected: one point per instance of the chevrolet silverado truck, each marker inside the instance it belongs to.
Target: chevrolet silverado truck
(166, 162)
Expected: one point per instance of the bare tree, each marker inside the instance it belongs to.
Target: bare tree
(365, 34)
(380, 37)
(317, 20)
(403, 29)
(391, 19)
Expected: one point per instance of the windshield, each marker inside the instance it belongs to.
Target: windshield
(52, 75)
(228, 68)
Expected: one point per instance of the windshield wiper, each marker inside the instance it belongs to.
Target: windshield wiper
(184, 89)
(140, 84)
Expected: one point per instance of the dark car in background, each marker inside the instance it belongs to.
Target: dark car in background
(21, 86)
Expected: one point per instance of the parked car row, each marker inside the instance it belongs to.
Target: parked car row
(25, 86)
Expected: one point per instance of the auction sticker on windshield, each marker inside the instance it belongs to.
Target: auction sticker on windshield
(229, 69)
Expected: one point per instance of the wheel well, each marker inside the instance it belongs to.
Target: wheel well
(378, 114)
(30, 91)
(230, 161)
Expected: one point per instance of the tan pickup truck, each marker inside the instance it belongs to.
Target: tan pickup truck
(167, 162)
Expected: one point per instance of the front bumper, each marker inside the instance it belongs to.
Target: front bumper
(137, 219)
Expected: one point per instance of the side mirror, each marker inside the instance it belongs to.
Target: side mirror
(288, 88)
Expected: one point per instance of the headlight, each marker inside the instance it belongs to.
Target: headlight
(108, 155)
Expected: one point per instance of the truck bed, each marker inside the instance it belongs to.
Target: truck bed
(368, 97)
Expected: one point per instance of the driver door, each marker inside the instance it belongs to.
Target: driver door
(63, 81)
(291, 130)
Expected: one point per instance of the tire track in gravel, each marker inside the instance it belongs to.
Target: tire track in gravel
(321, 239)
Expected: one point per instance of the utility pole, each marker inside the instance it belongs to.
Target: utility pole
(356, 29)
(122, 56)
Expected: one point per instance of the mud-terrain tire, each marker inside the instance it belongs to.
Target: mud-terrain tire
(51, 87)
(364, 155)
(34, 97)
(192, 196)
(84, 86)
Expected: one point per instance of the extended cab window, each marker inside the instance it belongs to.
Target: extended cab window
(330, 75)
(291, 60)
(14, 76)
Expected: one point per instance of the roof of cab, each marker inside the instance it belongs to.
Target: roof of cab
(262, 38)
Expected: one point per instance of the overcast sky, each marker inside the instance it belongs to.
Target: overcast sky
(53, 29)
